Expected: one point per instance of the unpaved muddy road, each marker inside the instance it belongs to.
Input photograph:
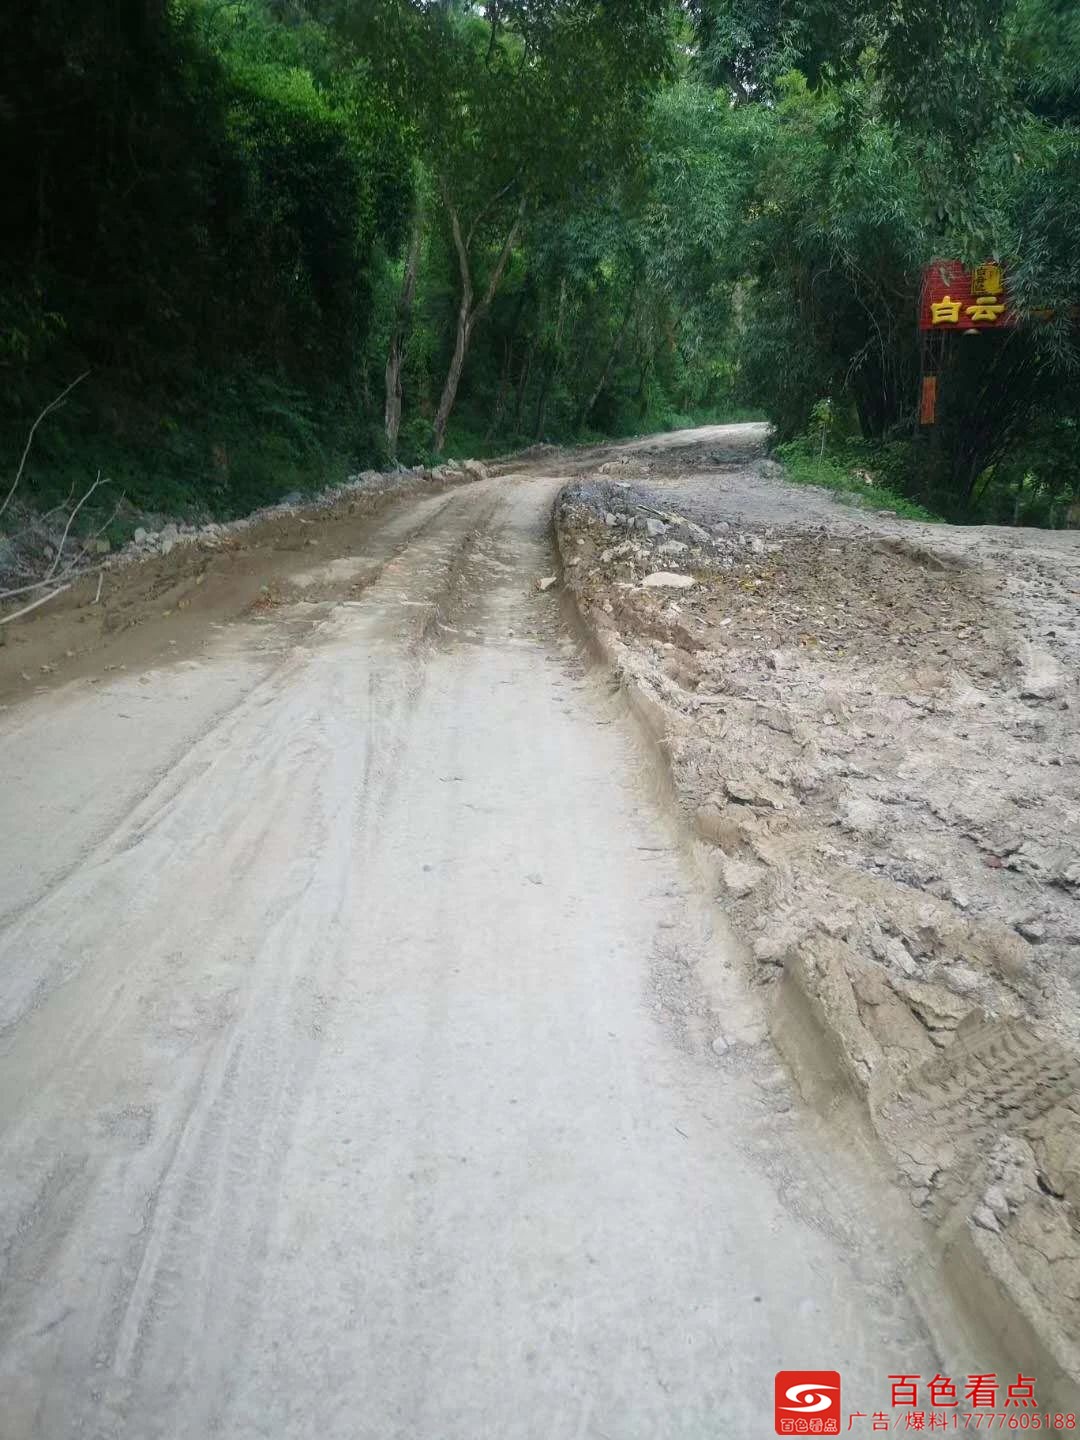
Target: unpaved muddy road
(370, 1065)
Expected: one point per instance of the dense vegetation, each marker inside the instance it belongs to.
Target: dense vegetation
(283, 236)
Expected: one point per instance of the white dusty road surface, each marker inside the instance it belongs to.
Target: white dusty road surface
(370, 1068)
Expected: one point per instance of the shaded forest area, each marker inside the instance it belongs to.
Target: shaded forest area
(278, 238)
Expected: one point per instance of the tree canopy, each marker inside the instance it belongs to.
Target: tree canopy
(287, 235)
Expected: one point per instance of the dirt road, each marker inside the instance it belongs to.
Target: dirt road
(370, 1065)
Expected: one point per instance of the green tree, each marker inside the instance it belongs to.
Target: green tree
(525, 108)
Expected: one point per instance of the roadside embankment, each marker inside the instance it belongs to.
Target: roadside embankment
(160, 597)
(875, 727)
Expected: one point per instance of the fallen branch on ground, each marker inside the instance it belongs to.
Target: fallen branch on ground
(25, 589)
(52, 405)
(54, 582)
(67, 528)
(7, 619)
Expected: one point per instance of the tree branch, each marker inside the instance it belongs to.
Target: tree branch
(63, 539)
(503, 261)
(51, 577)
(30, 438)
(33, 585)
(493, 16)
(487, 209)
(7, 619)
(459, 244)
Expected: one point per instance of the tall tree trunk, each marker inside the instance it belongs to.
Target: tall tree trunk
(453, 375)
(541, 407)
(643, 380)
(500, 398)
(508, 361)
(616, 345)
(468, 312)
(523, 385)
(550, 371)
(399, 330)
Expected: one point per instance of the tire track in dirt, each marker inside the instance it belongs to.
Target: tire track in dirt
(241, 1073)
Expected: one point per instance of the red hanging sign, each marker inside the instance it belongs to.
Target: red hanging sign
(928, 400)
(955, 298)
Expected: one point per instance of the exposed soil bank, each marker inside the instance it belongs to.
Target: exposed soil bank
(159, 599)
(876, 726)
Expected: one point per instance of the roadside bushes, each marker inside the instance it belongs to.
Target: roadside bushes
(194, 195)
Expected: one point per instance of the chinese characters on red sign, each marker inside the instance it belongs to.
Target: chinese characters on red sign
(955, 298)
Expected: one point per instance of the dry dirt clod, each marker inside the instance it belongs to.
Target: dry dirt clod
(667, 580)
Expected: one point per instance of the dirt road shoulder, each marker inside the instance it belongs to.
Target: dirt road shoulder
(161, 600)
